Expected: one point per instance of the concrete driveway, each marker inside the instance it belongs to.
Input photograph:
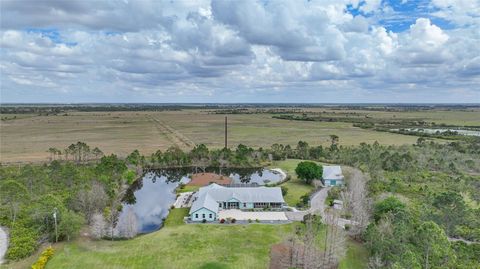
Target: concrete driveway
(244, 215)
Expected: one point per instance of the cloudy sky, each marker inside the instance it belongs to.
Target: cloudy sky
(240, 51)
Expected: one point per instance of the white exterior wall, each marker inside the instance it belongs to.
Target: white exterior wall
(202, 214)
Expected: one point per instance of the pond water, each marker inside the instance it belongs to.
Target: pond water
(150, 199)
(147, 202)
(260, 177)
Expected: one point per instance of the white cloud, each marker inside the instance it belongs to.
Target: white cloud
(231, 51)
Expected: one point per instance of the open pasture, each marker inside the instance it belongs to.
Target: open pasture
(27, 138)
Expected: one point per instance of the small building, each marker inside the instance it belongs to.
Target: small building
(332, 175)
(209, 200)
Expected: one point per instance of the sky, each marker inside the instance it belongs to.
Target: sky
(327, 51)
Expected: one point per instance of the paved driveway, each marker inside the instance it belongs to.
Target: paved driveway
(317, 206)
(244, 215)
(317, 202)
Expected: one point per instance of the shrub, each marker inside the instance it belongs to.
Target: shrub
(23, 242)
(304, 200)
(249, 220)
(222, 221)
(204, 221)
(234, 220)
(390, 204)
(334, 193)
(284, 190)
(43, 259)
(347, 227)
(256, 220)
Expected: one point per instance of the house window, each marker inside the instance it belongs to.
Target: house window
(210, 215)
(196, 216)
(219, 204)
(244, 204)
(203, 215)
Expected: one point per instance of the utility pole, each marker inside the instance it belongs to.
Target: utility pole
(226, 132)
(55, 218)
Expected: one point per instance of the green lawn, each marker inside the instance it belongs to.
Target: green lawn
(188, 246)
(175, 217)
(296, 187)
(178, 245)
(181, 246)
(356, 256)
(187, 188)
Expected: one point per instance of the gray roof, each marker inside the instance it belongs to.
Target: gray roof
(244, 194)
(332, 172)
(204, 201)
(209, 196)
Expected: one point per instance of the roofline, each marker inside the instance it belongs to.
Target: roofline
(202, 208)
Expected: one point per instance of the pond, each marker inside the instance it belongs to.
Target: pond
(260, 177)
(147, 202)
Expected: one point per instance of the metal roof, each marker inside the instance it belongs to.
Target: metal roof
(208, 197)
(332, 172)
(244, 194)
(204, 201)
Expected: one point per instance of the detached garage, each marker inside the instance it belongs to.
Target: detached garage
(332, 175)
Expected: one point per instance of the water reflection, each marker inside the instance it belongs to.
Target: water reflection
(149, 199)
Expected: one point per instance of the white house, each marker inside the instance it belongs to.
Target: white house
(332, 175)
(209, 200)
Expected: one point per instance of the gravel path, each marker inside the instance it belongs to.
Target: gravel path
(3, 243)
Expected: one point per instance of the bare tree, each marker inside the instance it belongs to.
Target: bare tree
(356, 201)
(91, 200)
(128, 224)
(335, 240)
(303, 251)
(98, 226)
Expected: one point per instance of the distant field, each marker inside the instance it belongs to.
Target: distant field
(467, 117)
(28, 137)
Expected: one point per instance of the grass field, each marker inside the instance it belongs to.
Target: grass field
(187, 188)
(296, 187)
(178, 245)
(466, 117)
(28, 137)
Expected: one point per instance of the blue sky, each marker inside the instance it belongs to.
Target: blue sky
(240, 51)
